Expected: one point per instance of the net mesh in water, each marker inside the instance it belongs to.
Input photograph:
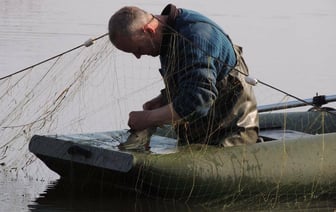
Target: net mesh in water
(93, 89)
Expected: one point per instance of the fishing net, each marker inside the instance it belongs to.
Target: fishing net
(93, 89)
(84, 90)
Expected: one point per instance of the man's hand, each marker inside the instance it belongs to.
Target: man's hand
(139, 120)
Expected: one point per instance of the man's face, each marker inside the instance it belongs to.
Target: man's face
(138, 45)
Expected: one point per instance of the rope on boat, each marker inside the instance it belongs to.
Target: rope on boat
(87, 43)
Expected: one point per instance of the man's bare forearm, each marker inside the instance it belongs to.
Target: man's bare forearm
(139, 120)
(163, 115)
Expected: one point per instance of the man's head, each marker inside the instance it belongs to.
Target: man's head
(133, 30)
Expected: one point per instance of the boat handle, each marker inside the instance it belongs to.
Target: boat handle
(76, 150)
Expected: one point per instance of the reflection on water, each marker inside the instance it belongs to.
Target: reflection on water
(17, 192)
(64, 196)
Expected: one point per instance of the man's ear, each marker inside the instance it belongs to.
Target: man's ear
(149, 28)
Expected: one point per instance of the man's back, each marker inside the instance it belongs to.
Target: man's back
(196, 66)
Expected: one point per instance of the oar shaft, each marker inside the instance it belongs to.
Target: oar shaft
(296, 103)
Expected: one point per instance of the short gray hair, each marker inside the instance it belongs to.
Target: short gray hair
(126, 22)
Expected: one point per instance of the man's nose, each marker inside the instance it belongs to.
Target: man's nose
(137, 55)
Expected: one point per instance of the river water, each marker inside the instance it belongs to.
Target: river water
(288, 44)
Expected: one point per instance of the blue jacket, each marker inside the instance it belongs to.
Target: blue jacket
(198, 67)
(196, 56)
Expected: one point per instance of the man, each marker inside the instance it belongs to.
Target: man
(206, 98)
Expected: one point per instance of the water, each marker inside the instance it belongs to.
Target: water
(288, 44)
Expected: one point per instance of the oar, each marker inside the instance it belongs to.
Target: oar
(317, 101)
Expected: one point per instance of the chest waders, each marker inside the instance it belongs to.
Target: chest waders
(233, 118)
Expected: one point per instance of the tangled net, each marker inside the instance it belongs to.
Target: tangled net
(77, 91)
(84, 90)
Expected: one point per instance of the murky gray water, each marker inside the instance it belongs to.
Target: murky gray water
(289, 44)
